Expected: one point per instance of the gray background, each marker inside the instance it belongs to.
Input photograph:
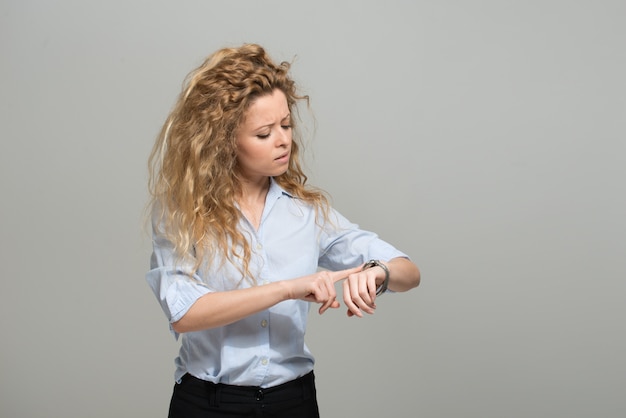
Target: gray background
(487, 139)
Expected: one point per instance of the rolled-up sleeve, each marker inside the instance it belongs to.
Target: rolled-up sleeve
(174, 286)
(344, 245)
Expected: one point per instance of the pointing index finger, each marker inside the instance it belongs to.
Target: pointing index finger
(342, 274)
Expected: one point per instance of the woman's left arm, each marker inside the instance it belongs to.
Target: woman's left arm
(403, 274)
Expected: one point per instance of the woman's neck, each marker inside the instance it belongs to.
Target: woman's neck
(254, 191)
(252, 200)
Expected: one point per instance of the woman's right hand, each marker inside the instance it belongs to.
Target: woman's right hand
(319, 287)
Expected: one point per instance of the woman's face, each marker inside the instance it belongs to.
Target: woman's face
(264, 138)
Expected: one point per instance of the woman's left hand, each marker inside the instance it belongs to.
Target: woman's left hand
(359, 291)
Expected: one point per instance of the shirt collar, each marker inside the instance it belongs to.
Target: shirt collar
(276, 191)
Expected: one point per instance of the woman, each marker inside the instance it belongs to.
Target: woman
(238, 239)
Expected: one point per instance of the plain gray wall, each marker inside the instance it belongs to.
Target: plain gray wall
(487, 139)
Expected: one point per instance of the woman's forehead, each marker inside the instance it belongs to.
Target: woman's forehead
(267, 109)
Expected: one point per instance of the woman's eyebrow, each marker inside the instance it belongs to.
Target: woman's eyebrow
(288, 117)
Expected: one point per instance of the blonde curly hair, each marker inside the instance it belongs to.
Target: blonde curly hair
(193, 165)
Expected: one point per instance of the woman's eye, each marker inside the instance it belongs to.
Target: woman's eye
(267, 135)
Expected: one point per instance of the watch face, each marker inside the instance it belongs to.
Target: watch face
(371, 263)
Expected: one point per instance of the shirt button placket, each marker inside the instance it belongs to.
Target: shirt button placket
(259, 247)
(264, 324)
(264, 361)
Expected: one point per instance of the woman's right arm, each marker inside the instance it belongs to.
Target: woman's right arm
(216, 309)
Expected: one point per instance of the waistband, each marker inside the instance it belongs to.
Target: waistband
(300, 388)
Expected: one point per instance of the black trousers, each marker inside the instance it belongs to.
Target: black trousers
(195, 398)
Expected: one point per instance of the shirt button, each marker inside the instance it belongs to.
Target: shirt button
(259, 246)
(264, 323)
(266, 281)
(264, 362)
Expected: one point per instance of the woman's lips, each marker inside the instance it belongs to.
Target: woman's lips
(283, 158)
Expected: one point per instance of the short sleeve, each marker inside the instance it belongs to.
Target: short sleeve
(171, 282)
(345, 245)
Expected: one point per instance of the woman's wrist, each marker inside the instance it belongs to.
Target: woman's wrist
(382, 288)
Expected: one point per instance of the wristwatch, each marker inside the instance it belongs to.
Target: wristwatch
(383, 287)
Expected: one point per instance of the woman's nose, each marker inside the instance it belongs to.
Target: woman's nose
(284, 138)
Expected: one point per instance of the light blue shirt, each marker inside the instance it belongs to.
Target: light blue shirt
(268, 348)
